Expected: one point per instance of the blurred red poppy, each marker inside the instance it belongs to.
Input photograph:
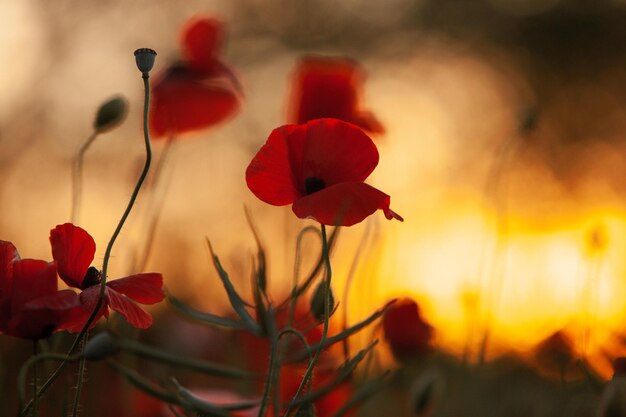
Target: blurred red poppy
(407, 333)
(330, 87)
(198, 92)
(31, 307)
(319, 167)
(73, 250)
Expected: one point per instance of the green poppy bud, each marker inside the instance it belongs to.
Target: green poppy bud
(110, 114)
(101, 346)
(319, 299)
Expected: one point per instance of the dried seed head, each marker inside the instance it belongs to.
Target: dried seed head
(145, 60)
(318, 302)
(101, 346)
(110, 114)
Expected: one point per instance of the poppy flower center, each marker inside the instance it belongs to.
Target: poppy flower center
(92, 277)
(313, 185)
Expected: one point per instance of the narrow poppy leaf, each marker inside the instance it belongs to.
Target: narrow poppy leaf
(206, 318)
(298, 356)
(198, 404)
(235, 299)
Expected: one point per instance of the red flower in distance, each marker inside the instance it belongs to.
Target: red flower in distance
(73, 250)
(198, 92)
(405, 330)
(330, 87)
(31, 307)
(319, 167)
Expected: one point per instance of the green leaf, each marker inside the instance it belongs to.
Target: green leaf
(235, 299)
(206, 318)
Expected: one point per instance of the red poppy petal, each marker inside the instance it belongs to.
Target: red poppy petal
(325, 87)
(59, 301)
(73, 250)
(32, 279)
(8, 255)
(343, 204)
(201, 41)
(336, 151)
(131, 311)
(142, 288)
(74, 319)
(184, 102)
(270, 175)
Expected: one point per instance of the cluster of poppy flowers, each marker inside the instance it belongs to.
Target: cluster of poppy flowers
(33, 307)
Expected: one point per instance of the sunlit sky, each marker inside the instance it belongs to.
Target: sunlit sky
(515, 257)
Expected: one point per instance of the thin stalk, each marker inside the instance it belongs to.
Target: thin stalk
(31, 362)
(155, 206)
(35, 400)
(77, 176)
(327, 280)
(274, 362)
(81, 377)
(296, 272)
(109, 248)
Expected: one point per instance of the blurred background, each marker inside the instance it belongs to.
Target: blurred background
(504, 151)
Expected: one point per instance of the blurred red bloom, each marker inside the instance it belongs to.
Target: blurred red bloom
(330, 87)
(405, 330)
(319, 167)
(31, 307)
(198, 92)
(73, 250)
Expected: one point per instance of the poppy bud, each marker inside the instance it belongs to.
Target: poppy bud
(110, 114)
(101, 346)
(426, 393)
(318, 302)
(144, 57)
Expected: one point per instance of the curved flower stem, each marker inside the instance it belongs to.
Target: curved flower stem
(155, 206)
(31, 362)
(77, 176)
(296, 271)
(313, 362)
(109, 248)
(35, 402)
(107, 254)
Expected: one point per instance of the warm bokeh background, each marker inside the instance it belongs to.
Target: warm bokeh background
(513, 222)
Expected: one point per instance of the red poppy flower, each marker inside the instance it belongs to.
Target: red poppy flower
(31, 307)
(198, 92)
(73, 250)
(330, 87)
(319, 167)
(405, 330)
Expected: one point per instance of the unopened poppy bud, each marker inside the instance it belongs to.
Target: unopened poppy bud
(110, 114)
(145, 59)
(318, 301)
(426, 392)
(101, 346)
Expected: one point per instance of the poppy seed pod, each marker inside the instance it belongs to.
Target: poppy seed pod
(110, 114)
(319, 298)
(101, 346)
(144, 57)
